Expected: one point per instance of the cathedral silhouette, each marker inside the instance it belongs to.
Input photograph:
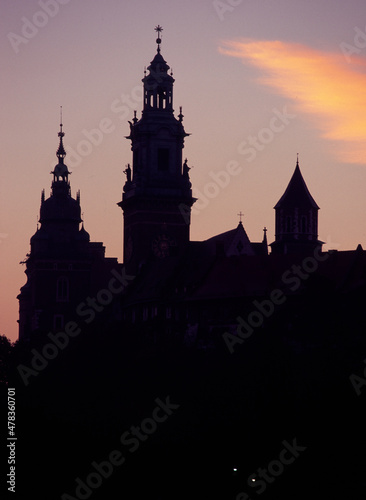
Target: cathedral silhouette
(193, 288)
(244, 348)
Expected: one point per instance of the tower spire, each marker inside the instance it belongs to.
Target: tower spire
(61, 171)
(296, 218)
(158, 83)
(61, 153)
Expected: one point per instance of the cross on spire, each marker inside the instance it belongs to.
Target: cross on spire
(240, 214)
(61, 134)
(158, 30)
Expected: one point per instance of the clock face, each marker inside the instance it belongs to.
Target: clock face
(161, 245)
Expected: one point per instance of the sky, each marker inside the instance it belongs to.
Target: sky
(260, 81)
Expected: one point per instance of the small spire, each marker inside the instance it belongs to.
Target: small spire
(265, 235)
(158, 30)
(61, 153)
(60, 171)
(61, 120)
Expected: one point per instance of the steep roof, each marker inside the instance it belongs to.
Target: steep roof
(235, 242)
(297, 193)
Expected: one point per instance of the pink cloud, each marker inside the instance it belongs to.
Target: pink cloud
(323, 86)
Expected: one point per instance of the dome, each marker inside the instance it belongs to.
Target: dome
(60, 206)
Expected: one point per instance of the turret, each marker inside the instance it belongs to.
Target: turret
(296, 218)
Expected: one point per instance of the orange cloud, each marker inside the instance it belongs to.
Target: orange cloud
(323, 85)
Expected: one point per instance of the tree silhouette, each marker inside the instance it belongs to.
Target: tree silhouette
(5, 353)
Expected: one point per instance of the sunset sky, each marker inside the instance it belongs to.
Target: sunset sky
(259, 82)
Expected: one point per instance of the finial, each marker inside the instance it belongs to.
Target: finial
(297, 161)
(61, 153)
(180, 116)
(60, 170)
(265, 235)
(158, 30)
(240, 214)
(61, 134)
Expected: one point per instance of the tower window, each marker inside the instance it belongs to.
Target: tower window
(62, 289)
(303, 224)
(58, 322)
(163, 159)
(288, 224)
(161, 95)
(145, 313)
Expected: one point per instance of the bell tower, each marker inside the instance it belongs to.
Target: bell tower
(157, 195)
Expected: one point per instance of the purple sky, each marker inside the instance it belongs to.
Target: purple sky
(235, 85)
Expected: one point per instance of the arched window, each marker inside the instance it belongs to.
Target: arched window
(62, 289)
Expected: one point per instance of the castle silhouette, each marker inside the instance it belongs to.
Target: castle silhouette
(192, 288)
(253, 348)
